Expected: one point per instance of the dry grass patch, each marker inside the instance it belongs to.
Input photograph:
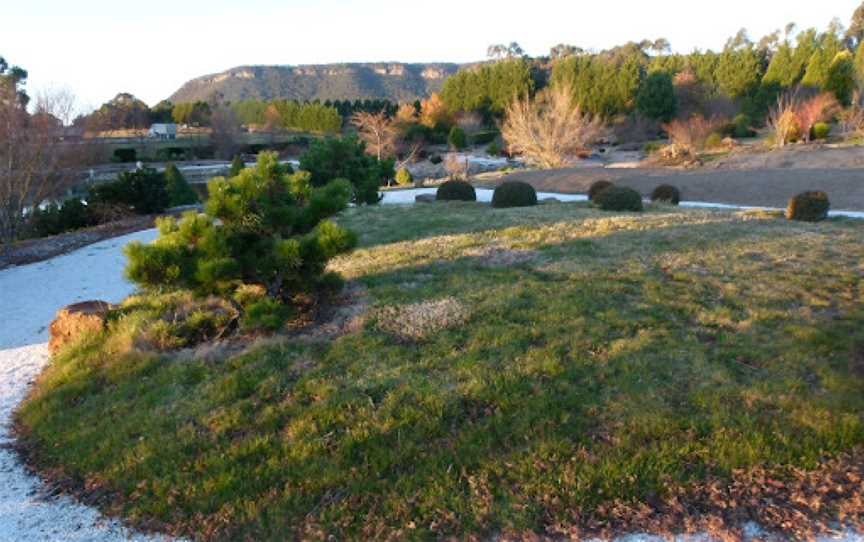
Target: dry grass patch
(418, 321)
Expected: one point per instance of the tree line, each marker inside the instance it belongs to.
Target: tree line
(645, 78)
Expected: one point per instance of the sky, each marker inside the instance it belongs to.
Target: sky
(97, 48)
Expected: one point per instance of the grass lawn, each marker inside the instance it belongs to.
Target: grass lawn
(545, 370)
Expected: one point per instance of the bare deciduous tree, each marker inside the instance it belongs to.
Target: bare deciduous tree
(225, 129)
(34, 164)
(815, 109)
(377, 131)
(434, 112)
(692, 133)
(549, 129)
(783, 120)
(852, 121)
(457, 166)
(470, 122)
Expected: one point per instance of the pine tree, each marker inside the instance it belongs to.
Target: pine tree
(656, 97)
(179, 191)
(841, 77)
(820, 61)
(782, 69)
(264, 227)
(739, 72)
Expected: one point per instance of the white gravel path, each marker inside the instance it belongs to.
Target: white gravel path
(29, 297)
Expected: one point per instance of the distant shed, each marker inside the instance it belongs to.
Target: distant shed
(163, 131)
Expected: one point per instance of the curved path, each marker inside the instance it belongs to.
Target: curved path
(29, 297)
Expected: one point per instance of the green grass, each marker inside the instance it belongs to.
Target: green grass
(605, 356)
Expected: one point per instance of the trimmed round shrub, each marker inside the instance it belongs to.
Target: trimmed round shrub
(619, 198)
(404, 177)
(597, 187)
(714, 140)
(514, 194)
(820, 130)
(456, 190)
(811, 206)
(666, 193)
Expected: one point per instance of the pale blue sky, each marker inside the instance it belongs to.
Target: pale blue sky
(98, 48)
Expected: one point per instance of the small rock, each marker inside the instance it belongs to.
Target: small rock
(73, 320)
(550, 200)
(425, 198)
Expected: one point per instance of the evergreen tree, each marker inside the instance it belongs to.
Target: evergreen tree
(656, 97)
(604, 85)
(841, 77)
(821, 60)
(457, 138)
(264, 227)
(807, 44)
(739, 71)
(346, 158)
(489, 88)
(782, 70)
(179, 191)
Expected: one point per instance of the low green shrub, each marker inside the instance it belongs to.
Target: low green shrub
(179, 191)
(404, 177)
(457, 138)
(143, 191)
(456, 190)
(739, 127)
(597, 187)
(811, 206)
(666, 193)
(714, 140)
(56, 218)
(619, 198)
(820, 130)
(514, 194)
(493, 149)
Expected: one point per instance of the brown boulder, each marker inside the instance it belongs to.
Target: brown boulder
(73, 320)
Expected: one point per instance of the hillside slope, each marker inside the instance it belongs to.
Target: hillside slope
(393, 81)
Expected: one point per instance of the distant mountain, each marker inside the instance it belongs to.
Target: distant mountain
(387, 80)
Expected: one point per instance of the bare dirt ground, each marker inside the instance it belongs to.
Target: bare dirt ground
(745, 177)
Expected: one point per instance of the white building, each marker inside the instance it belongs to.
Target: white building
(163, 131)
